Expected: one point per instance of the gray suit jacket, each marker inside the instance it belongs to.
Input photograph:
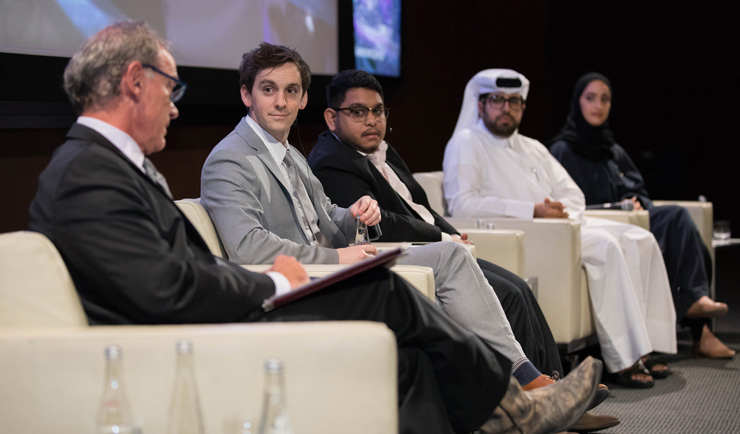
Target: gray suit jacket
(249, 201)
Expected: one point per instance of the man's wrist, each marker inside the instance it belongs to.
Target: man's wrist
(282, 284)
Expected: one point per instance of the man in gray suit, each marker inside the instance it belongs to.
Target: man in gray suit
(265, 201)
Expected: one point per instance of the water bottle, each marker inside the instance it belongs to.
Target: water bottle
(114, 416)
(185, 417)
(275, 417)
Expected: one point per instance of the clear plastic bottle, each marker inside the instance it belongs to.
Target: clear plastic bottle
(275, 417)
(185, 416)
(114, 416)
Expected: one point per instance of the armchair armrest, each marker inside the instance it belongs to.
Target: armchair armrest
(503, 247)
(638, 218)
(702, 213)
(552, 254)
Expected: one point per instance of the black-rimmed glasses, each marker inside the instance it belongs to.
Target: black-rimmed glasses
(178, 91)
(359, 113)
(498, 101)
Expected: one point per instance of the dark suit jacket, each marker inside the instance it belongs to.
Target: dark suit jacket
(347, 175)
(133, 256)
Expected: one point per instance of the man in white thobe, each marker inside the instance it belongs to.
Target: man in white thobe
(492, 170)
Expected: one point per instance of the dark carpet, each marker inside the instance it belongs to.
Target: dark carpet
(700, 396)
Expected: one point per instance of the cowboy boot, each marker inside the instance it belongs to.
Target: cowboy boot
(548, 409)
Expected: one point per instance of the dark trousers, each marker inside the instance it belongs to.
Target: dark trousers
(686, 258)
(525, 316)
(449, 379)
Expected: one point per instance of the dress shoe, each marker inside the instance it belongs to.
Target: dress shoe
(705, 307)
(602, 392)
(541, 381)
(547, 409)
(590, 422)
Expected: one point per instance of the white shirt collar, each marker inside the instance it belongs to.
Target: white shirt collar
(119, 138)
(277, 149)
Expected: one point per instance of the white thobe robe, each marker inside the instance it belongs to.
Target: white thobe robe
(486, 176)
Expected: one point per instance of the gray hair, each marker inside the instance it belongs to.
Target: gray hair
(93, 75)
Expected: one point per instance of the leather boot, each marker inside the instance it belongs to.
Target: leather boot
(547, 409)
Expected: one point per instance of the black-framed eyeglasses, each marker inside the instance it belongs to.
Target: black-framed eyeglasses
(498, 101)
(178, 91)
(359, 113)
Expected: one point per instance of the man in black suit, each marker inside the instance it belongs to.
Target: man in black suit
(135, 258)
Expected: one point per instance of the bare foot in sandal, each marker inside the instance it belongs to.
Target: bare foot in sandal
(658, 368)
(636, 376)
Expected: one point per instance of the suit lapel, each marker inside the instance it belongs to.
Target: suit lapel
(263, 155)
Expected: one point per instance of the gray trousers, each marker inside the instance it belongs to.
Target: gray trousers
(465, 295)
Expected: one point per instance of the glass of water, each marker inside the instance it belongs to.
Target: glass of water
(721, 230)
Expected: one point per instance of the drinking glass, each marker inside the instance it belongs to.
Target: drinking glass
(721, 230)
(361, 235)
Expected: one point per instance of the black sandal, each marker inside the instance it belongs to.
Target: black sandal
(650, 363)
(625, 378)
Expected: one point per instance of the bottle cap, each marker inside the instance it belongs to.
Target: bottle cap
(112, 352)
(273, 365)
(184, 346)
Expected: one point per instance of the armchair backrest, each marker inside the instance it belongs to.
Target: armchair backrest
(198, 216)
(36, 289)
(432, 183)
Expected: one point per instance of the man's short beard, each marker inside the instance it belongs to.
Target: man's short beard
(502, 131)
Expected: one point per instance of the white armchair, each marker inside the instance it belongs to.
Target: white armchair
(638, 218)
(51, 361)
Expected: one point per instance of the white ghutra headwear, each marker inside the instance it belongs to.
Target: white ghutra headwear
(487, 81)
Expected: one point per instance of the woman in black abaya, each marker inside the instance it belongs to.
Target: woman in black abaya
(586, 148)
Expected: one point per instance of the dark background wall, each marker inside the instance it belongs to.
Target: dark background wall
(673, 70)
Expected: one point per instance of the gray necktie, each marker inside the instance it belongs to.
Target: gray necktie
(306, 212)
(155, 176)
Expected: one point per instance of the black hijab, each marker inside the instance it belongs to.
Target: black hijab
(593, 143)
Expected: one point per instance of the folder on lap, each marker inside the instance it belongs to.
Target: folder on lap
(385, 258)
